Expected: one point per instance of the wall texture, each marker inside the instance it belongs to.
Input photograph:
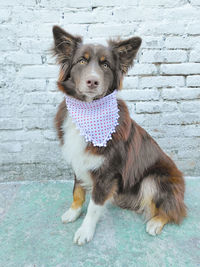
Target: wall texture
(162, 90)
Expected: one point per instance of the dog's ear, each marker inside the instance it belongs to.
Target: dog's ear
(126, 51)
(65, 44)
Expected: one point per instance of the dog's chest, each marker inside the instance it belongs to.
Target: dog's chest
(75, 154)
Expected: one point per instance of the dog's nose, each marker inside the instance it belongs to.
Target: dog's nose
(92, 83)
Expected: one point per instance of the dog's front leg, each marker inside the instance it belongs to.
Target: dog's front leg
(86, 232)
(102, 191)
(78, 199)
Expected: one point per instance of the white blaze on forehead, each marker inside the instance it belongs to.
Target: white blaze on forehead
(93, 72)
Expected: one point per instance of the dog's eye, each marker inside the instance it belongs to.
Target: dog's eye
(105, 65)
(83, 61)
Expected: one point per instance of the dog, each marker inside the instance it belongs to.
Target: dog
(131, 170)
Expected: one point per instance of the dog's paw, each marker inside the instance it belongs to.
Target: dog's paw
(154, 226)
(84, 234)
(71, 215)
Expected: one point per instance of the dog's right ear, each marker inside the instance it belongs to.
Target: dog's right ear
(126, 51)
(65, 45)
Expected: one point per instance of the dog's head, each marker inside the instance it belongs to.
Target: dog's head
(91, 71)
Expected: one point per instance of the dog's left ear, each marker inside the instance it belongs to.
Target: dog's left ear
(65, 44)
(126, 51)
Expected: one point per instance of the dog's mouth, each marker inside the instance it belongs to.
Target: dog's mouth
(90, 95)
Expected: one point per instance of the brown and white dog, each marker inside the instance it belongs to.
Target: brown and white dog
(131, 170)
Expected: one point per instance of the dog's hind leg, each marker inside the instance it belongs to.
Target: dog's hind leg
(162, 201)
(156, 224)
(155, 220)
(75, 210)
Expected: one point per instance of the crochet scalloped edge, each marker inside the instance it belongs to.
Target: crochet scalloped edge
(107, 138)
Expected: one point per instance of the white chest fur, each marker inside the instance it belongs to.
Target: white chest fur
(75, 155)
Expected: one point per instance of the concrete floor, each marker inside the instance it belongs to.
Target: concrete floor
(31, 232)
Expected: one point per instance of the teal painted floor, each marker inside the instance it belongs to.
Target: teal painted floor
(31, 232)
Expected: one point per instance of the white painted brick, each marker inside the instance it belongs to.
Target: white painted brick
(184, 42)
(7, 111)
(37, 110)
(188, 165)
(188, 153)
(51, 86)
(109, 30)
(193, 27)
(23, 58)
(161, 81)
(134, 95)
(7, 45)
(95, 16)
(180, 142)
(183, 68)
(193, 80)
(34, 45)
(8, 30)
(63, 4)
(190, 107)
(124, 14)
(42, 98)
(177, 118)
(130, 82)
(166, 3)
(195, 56)
(33, 85)
(17, 3)
(11, 147)
(37, 123)
(153, 42)
(168, 130)
(161, 28)
(26, 30)
(195, 2)
(67, 4)
(160, 56)
(35, 152)
(187, 12)
(181, 93)
(155, 107)
(192, 130)
(147, 120)
(50, 135)
(21, 135)
(143, 69)
(9, 124)
(78, 17)
(114, 3)
(5, 15)
(39, 72)
(33, 14)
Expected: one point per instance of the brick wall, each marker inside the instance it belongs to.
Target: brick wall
(162, 90)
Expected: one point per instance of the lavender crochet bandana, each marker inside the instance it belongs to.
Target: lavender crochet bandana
(95, 120)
